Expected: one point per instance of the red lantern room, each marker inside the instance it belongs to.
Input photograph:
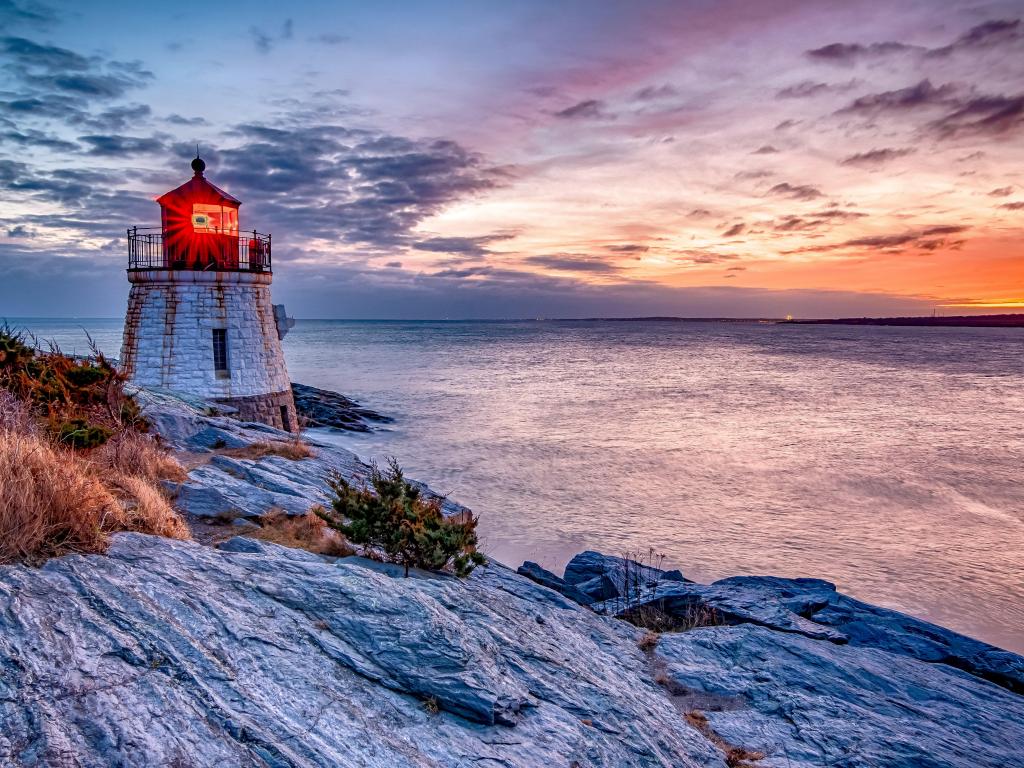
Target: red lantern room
(199, 231)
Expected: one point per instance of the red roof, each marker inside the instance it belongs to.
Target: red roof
(199, 190)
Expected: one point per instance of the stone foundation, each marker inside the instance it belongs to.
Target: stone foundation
(168, 331)
(276, 409)
(176, 319)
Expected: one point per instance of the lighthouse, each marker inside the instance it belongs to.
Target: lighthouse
(200, 319)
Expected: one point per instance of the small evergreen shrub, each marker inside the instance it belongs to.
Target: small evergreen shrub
(393, 519)
(78, 433)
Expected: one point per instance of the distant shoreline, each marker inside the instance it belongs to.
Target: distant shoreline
(957, 321)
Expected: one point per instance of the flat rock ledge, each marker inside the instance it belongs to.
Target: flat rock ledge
(174, 653)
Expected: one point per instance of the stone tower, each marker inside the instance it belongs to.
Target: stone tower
(200, 319)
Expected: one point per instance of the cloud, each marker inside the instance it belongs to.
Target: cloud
(121, 146)
(266, 41)
(981, 116)
(927, 238)
(986, 35)
(465, 246)
(800, 192)
(808, 88)
(876, 157)
(589, 109)
(350, 185)
(923, 94)
(766, 149)
(1017, 206)
(734, 230)
(703, 256)
(51, 69)
(655, 93)
(47, 82)
(36, 14)
(846, 53)
(31, 137)
(628, 248)
(815, 220)
(176, 119)
(796, 224)
(1001, 192)
(568, 262)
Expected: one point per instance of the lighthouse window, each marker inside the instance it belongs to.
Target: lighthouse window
(214, 219)
(220, 352)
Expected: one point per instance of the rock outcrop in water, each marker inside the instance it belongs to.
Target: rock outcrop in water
(179, 654)
(323, 408)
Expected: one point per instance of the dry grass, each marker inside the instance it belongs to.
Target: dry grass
(648, 641)
(307, 532)
(655, 618)
(146, 509)
(55, 500)
(138, 455)
(50, 501)
(15, 415)
(431, 705)
(735, 757)
(294, 449)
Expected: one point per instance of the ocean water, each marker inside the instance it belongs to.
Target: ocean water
(888, 460)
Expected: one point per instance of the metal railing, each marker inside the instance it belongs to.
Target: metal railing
(245, 252)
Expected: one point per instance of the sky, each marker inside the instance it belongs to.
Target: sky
(530, 158)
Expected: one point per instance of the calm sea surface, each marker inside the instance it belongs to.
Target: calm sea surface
(889, 460)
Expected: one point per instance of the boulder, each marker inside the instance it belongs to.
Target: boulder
(605, 577)
(546, 578)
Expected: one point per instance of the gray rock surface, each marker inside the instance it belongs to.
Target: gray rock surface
(234, 487)
(173, 653)
(805, 702)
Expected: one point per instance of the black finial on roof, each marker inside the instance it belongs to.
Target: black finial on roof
(198, 166)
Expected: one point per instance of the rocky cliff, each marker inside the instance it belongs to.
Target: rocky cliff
(168, 653)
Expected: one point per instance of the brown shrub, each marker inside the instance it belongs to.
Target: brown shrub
(307, 532)
(132, 453)
(654, 617)
(648, 641)
(50, 502)
(146, 509)
(294, 449)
